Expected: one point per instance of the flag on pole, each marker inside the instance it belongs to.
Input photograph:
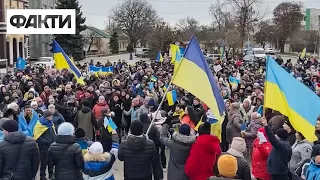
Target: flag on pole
(21, 63)
(172, 97)
(303, 53)
(159, 57)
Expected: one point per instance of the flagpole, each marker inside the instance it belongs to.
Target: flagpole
(163, 98)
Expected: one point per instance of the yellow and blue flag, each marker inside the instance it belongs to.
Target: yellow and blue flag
(63, 61)
(200, 82)
(303, 53)
(154, 78)
(107, 69)
(175, 53)
(21, 63)
(215, 125)
(234, 82)
(165, 87)
(93, 68)
(109, 124)
(291, 98)
(172, 97)
(159, 57)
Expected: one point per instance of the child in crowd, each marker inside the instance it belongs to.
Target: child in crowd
(82, 140)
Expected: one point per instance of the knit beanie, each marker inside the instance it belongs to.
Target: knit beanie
(65, 129)
(205, 128)
(47, 113)
(227, 166)
(184, 129)
(151, 102)
(10, 126)
(282, 134)
(238, 144)
(136, 128)
(79, 133)
(96, 148)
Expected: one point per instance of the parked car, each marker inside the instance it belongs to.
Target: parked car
(213, 56)
(269, 51)
(45, 61)
(249, 58)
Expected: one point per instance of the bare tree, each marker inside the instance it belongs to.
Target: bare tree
(287, 17)
(219, 14)
(265, 33)
(135, 18)
(188, 26)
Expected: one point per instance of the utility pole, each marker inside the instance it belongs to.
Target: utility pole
(3, 30)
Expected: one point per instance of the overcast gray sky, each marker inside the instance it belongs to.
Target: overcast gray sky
(97, 11)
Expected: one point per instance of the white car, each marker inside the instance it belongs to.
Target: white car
(213, 56)
(45, 61)
(269, 51)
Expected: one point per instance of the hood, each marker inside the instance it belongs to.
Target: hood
(315, 150)
(208, 143)
(137, 143)
(180, 138)
(102, 104)
(85, 109)
(96, 162)
(15, 137)
(234, 112)
(65, 139)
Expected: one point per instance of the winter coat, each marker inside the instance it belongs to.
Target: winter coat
(154, 133)
(251, 132)
(84, 144)
(246, 115)
(28, 162)
(199, 111)
(279, 156)
(86, 120)
(301, 150)
(221, 178)
(187, 120)
(276, 122)
(57, 119)
(203, 156)
(234, 125)
(140, 158)
(116, 108)
(312, 172)
(260, 153)
(66, 156)
(47, 136)
(243, 165)
(98, 167)
(292, 138)
(143, 110)
(97, 109)
(132, 112)
(179, 146)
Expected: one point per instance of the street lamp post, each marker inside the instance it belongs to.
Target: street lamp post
(3, 30)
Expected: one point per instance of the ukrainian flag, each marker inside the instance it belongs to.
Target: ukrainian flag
(172, 97)
(165, 87)
(175, 54)
(154, 78)
(109, 124)
(215, 125)
(62, 61)
(106, 70)
(303, 53)
(93, 68)
(159, 57)
(234, 82)
(200, 82)
(292, 98)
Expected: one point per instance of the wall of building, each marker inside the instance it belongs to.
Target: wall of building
(312, 19)
(16, 45)
(39, 43)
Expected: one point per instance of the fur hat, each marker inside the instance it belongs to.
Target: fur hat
(136, 128)
(205, 128)
(96, 148)
(184, 129)
(238, 144)
(65, 128)
(282, 134)
(227, 166)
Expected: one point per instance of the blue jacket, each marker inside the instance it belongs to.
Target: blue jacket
(27, 129)
(279, 156)
(313, 171)
(57, 119)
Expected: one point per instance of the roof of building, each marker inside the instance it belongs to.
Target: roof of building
(99, 32)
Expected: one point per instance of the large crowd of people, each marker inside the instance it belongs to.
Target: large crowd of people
(62, 129)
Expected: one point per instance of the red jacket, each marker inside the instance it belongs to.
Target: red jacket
(203, 156)
(260, 155)
(97, 109)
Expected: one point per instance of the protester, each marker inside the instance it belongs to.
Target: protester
(260, 153)
(291, 132)
(57, 118)
(250, 133)
(101, 104)
(82, 140)
(27, 120)
(280, 154)
(44, 134)
(65, 155)
(234, 122)
(98, 164)
(19, 154)
(227, 168)
(139, 155)
(203, 154)
(179, 146)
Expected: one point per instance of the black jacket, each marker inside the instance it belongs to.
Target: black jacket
(66, 156)
(46, 139)
(140, 158)
(279, 156)
(28, 163)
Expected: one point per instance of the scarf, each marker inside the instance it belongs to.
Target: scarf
(45, 122)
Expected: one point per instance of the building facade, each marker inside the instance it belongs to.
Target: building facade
(15, 43)
(39, 43)
(312, 19)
